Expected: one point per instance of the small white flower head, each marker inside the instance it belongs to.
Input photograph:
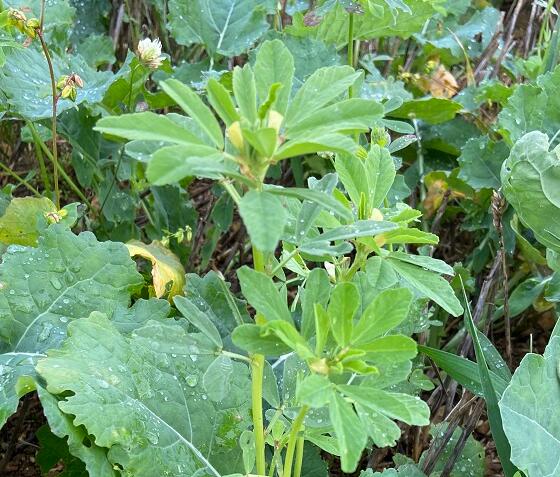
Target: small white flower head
(149, 53)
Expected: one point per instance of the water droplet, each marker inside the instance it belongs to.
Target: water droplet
(191, 380)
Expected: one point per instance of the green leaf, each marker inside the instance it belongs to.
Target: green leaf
(385, 312)
(19, 224)
(390, 349)
(149, 126)
(171, 164)
(74, 438)
(251, 338)
(431, 110)
(351, 115)
(530, 181)
(142, 397)
(289, 335)
(311, 143)
(490, 396)
(66, 277)
(429, 284)
(245, 91)
(191, 103)
(314, 391)
(217, 378)
(25, 81)
(463, 370)
(220, 99)
(405, 408)
(227, 27)
(275, 64)
(316, 291)
(528, 407)
(322, 87)
(533, 107)
(350, 434)
(198, 319)
(481, 161)
(265, 218)
(345, 301)
(261, 292)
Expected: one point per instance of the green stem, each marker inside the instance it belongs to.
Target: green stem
(21, 180)
(292, 441)
(299, 457)
(285, 260)
(231, 355)
(54, 104)
(131, 87)
(231, 190)
(62, 172)
(257, 370)
(351, 49)
(41, 161)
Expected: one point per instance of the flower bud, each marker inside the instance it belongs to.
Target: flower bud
(275, 120)
(61, 83)
(235, 135)
(17, 19)
(77, 80)
(69, 92)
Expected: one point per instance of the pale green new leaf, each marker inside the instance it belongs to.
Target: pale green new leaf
(275, 64)
(265, 218)
(142, 397)
(345, 301)
(220, 99)
(245, 92)
(311, 143)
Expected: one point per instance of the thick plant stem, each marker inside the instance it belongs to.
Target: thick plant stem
(299, 457)
(54, 104)
(293, 440)
(257, 370)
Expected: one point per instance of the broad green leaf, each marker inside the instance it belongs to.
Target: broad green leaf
(533, 107)
(321, 88)
(481, 161)
(382, 430)
(94, 457)
(424, 261)
(274, 64)
(406, 470)
(19, 224)
(350, 434)
(265, 218)
(220, 99)
(149, 126)
(217, 378)
(529, 406)
(530, 181)
(171, 164)
(428, 284)
(314, 391)
(385, 312)
(431, 110)
(245, 91)
(360, 228)
(142, 397)
(405, 408)
(344, 116)
(25, 81)
(310, 143)
(261, 292)
(287, 332)
(66, 277)
(406, 235)
(167, 271)
(198, 319)
(191, 103)
(127, 319)
(227, 27)
(263, 140)
(344, 302)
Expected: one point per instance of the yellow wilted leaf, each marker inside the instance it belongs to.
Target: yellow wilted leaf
(18, 225)
(167, 272)
(443, 84)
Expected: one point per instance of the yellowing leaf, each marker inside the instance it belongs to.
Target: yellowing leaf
(19, 224)
(443, 84)
(167, 272)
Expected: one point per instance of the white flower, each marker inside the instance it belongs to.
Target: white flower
(149, 53)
